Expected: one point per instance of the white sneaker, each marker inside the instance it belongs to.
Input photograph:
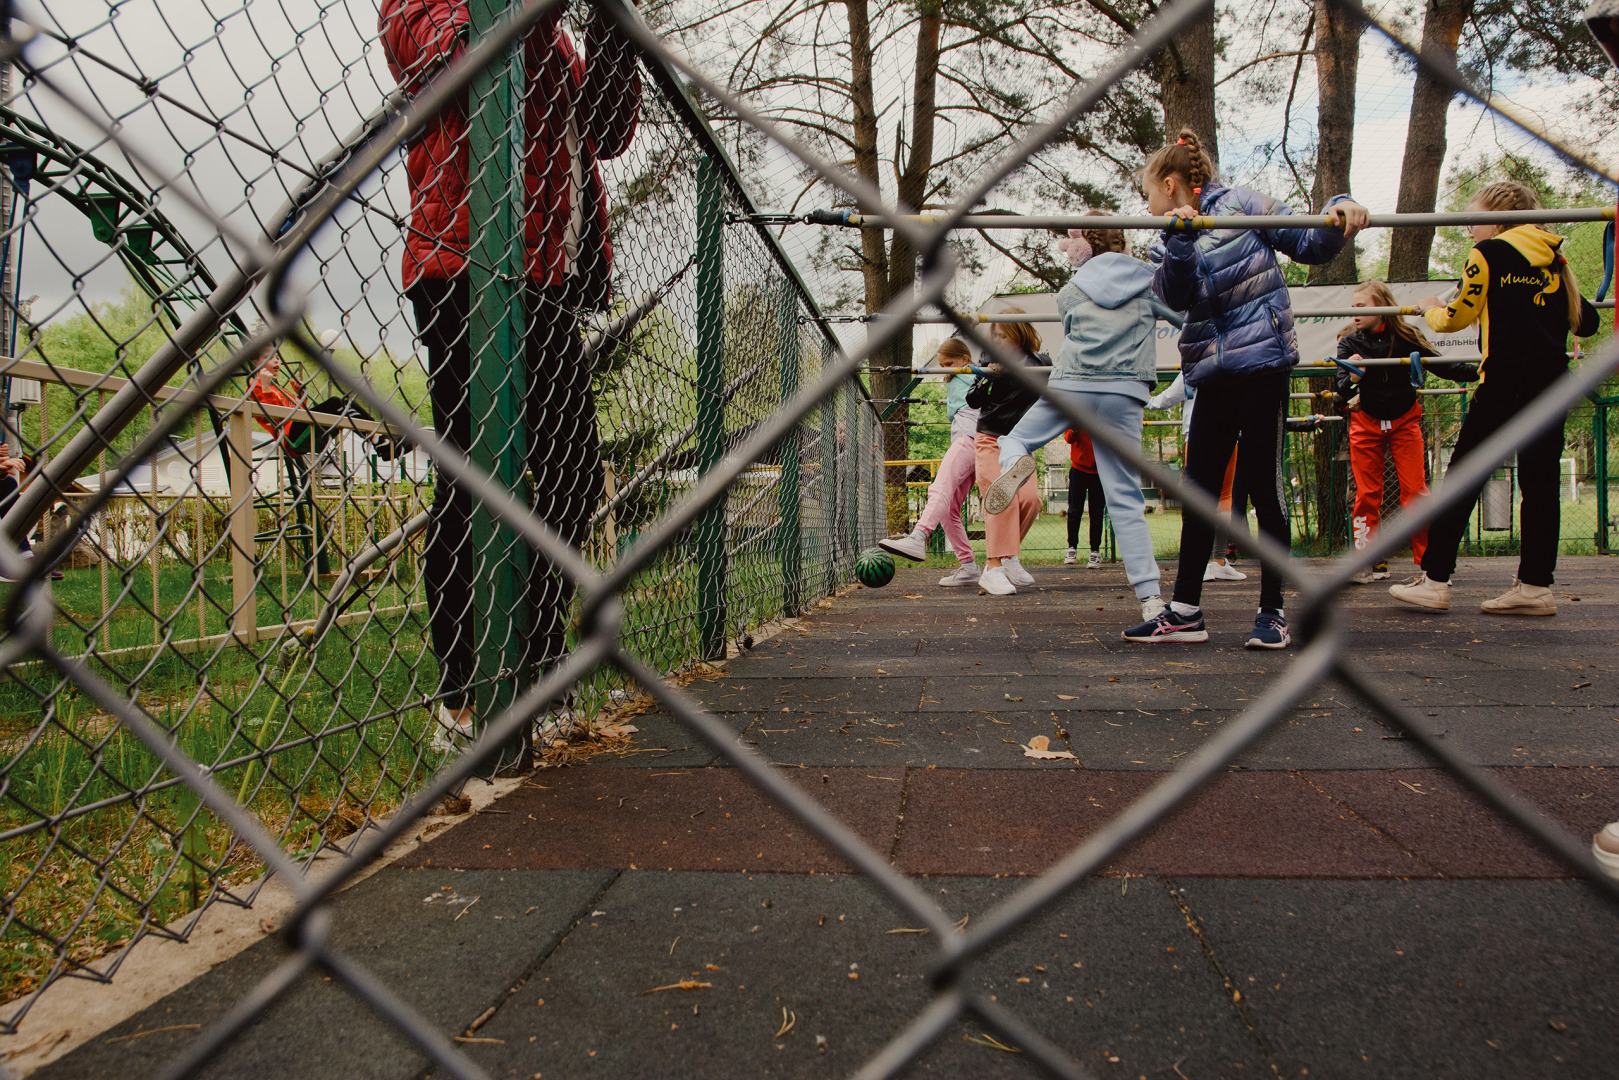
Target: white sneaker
(1003, 491)
(1070, 557)
(994, 582)
(1605, 846)
(1094, 562)
(1218, 571)
(965, 574)
(1423, 592)
(447, 734)
(913, 546)
(1016, 574)
(1151, 608)
(1522, 599)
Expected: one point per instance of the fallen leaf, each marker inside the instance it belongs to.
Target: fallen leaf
(1067, 697)
(913, 596)
(615, 731)
(1039, 747)
(1580, 686)
(908, 930)
(1416, 789)
(788, 1019)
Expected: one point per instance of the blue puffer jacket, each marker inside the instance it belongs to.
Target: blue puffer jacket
(1239, 322)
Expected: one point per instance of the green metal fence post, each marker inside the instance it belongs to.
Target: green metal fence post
(496, 260)
(1599, 470)
(849, 447)
(829, 481)
(710, 530)
(790, 543)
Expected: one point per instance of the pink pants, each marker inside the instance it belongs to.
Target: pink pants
(945, 496)
(1004, 532)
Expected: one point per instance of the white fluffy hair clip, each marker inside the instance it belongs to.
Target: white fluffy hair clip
(1076, 247)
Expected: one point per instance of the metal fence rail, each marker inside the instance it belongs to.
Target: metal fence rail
(152, 765)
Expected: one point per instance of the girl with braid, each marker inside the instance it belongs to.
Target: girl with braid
(1236, 350)
(1520, 290)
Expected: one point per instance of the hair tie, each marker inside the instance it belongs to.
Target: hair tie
(1197, 191)
(1180, 142)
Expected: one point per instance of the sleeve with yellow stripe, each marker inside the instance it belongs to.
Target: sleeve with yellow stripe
(1468, 303)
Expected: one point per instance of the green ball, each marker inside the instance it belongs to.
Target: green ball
(874, 568)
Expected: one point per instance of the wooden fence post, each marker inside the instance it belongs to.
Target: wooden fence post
(242, 528)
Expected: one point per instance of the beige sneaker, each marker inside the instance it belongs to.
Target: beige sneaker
(1522, 599)
(1423, 593)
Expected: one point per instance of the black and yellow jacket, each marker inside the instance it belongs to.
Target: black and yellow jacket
(1512, 289)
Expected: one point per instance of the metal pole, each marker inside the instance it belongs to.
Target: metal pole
(497, 383)
(787, 494)
(710, 527)
(1231, 221)
(243, 526)
(1599, 470)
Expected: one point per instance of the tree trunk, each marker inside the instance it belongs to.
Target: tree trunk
(1337, 55)
(888, 373)
(1186, 76)
(913, 185)
(1409, 249)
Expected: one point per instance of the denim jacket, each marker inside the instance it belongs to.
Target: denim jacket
(1110, 323)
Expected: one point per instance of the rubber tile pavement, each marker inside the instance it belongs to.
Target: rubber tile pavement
(693, 819)
(1420, 979)
(796, 976)
(1239, 825)
(449, 943)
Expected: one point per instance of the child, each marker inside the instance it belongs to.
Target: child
(1177, 393)
(1083, 481)
(1236, 351)
(949, 489)
(1523, 294)
(1385, 414)
(1001, 403)
(1107, 363)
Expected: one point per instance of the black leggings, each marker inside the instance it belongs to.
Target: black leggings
(564, 459)
(1248, 416)
(1081, 484)
(1497, 402)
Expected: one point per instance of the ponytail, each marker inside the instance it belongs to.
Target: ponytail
(1511, 195)
(1185, 158)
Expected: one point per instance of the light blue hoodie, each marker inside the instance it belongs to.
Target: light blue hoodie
(1110, 323)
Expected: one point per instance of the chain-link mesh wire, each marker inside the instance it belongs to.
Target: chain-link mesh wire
(534, 473)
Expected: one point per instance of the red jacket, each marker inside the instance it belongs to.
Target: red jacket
(1081, 454)
(603, 98)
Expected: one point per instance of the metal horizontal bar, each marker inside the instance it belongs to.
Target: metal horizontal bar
(1234, 221)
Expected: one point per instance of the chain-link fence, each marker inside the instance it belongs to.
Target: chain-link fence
(523, 414)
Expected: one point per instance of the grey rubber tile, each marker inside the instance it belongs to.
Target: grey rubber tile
(816, 695)
(450, 943)
(969, 693)
(1423, 978)
(813, 956)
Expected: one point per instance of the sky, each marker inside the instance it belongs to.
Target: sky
(298, 74)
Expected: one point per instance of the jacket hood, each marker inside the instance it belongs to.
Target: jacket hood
(1113, 278)
(1533, 243)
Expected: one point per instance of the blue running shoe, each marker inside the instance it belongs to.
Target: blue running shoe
(1270, 630)
(1168, 626)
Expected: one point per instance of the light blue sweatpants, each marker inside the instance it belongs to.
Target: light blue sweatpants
(1121, 482)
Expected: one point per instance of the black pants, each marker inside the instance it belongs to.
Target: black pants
(1081, 484)
(1249, 417)
(8, 495)
(564, 460)
(1540, 512)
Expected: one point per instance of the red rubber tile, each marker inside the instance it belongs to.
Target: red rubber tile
(1446, 826)
(1262, 824)
(688, 819)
